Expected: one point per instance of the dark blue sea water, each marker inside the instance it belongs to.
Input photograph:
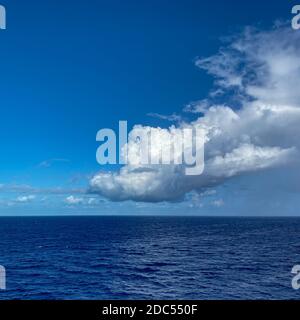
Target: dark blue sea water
(149, 257)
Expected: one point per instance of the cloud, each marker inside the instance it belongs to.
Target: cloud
(71, 200)
(200, 106)
(262, 65)
(50, 162)
(218, 203)
(25, 199)
(172, 118)
(255, 127)
(86, 201)
(23, 188)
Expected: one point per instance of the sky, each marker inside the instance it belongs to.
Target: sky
(69, 70)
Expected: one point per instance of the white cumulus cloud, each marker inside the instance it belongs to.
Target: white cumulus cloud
(71, 200)
(260, 71)
(25, 199)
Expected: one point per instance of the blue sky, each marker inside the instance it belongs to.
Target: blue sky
(68, 70)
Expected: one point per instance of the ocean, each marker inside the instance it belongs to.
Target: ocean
(149, 257)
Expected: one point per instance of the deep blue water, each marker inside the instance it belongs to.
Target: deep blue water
(149, 257)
